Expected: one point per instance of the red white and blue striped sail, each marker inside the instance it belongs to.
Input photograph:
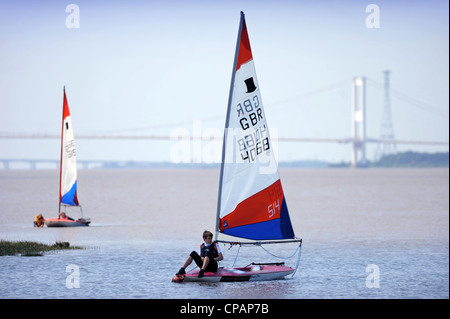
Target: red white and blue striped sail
(251, 200)
(68, 172)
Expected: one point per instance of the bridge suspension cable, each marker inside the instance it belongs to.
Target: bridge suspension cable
(408, 99)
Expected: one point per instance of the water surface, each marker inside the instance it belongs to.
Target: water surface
(146, 222)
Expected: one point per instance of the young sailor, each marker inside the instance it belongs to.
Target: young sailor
(210, 254)
(39, 221)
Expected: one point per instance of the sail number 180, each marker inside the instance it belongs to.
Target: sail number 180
(273, 208)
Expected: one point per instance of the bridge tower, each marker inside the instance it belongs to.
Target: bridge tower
(359, 122)
(387, 128)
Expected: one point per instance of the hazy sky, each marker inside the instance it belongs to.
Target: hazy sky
(164, 68)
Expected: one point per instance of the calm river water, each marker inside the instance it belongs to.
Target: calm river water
(377, 233)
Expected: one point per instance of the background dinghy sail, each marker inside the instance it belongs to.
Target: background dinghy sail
(68, 200)
(251, 203)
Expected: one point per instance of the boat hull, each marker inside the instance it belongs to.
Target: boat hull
(250, 273)
(56, 222)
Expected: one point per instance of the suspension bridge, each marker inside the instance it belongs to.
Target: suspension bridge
(358, 140)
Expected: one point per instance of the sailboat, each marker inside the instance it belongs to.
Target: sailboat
(251, 203)
(68, 199)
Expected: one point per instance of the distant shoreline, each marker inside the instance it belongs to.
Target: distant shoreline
(399, 160)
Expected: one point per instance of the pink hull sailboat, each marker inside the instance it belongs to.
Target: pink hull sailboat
(68, 199)
(251, 203)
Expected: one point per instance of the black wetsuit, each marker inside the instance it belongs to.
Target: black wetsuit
(206, 251)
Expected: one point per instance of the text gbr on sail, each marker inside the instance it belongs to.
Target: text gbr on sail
(257, 139)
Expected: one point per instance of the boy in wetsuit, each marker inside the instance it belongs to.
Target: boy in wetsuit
(39, 221)
(210, 254)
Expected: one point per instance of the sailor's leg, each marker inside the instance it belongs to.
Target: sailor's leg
(205, 263)
(187, 262)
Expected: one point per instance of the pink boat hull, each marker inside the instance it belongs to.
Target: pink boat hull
(250, 273)
(57, 222)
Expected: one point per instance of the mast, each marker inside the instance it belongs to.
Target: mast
(227, 120)
(60, 160)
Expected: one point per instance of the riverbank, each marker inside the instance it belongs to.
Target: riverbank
(30, 248)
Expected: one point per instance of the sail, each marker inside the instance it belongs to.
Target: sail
(68, 172)
(251, 202)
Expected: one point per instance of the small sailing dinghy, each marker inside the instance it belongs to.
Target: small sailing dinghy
(68, 200)
(251, 203)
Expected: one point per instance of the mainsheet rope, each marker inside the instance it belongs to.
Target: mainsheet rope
(299, 250)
